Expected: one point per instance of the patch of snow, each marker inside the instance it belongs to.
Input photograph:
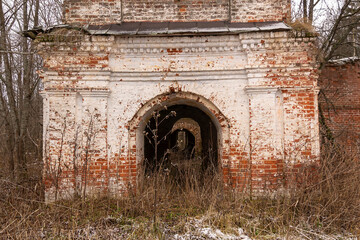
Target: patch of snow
(197, 230)
(342, 61)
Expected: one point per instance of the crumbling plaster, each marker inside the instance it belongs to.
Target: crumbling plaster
(260, 88)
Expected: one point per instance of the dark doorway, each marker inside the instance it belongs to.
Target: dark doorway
(177, 146)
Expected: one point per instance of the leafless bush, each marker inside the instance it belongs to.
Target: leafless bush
(333, 201)
(326, 203)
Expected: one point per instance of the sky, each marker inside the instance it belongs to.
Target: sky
(321, 10)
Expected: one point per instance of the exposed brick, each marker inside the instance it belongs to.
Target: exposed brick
(109, 11)
(340, 102)
(260, 91)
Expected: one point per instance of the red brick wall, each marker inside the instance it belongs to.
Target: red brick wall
(99, 12)
(340, 102)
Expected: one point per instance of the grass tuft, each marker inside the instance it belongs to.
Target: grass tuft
(318, 209)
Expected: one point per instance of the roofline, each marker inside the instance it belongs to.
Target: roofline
(148, 29)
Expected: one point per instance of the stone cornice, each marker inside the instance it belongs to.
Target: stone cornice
(94, 92)
(178, 50)
(248, 72)
(252, 89)
(56, 93)
(261, 90)
(180, 76)
(181, 45)
(94, 75)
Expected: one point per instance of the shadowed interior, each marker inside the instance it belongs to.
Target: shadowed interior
(167, 146)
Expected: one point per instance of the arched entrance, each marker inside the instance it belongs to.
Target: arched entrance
(180, 136)
(184, 124)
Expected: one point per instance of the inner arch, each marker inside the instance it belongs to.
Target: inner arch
(172, 121)
(194, 128)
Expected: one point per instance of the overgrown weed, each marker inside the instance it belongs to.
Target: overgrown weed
(330, 205)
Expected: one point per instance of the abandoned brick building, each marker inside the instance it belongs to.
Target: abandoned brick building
(228, 80)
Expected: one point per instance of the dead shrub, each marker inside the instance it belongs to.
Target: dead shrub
(333, 201)
(327, 205)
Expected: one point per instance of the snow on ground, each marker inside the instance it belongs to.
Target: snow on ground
(196, 229)
(187, 229)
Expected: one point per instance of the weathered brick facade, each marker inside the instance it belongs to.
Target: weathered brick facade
(99, 12)
(257, 87)
(340, 103)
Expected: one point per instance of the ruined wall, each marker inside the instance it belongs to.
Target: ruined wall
(98, 12)
(259, 88)
(340, 82)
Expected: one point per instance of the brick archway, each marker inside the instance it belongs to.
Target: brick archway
(138, 122)
(192, 126)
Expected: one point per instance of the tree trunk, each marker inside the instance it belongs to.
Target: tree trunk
(305, 10)
(6, 79)
(311, 11)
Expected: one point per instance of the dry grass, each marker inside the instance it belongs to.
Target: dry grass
(303, 27)
(317, 210)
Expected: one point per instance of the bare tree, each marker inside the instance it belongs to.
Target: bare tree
(305, 9)
(343, 38)
(20, 102)
(337, 24)
(338, 37)
(308, 9)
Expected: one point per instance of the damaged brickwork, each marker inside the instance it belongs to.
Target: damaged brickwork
(99, 12)
(257, 87)
(340, 101)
